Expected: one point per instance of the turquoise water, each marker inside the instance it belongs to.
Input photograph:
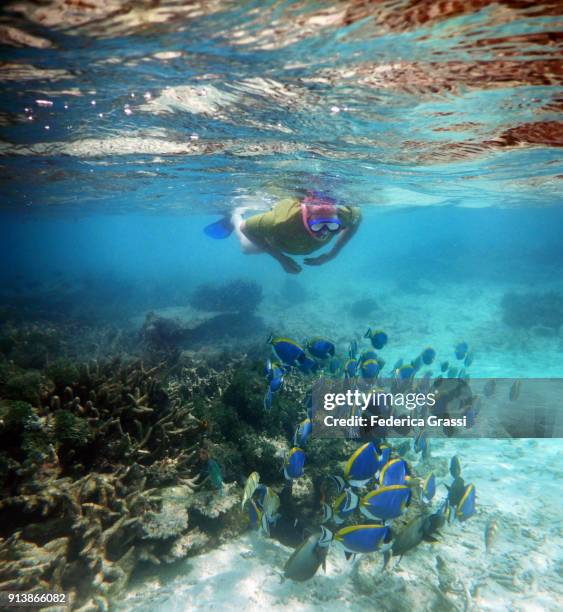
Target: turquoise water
(125, 130)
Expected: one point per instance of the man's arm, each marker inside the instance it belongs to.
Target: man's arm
(342, 240)
(288, 264)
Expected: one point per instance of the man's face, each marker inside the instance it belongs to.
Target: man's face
(323, 222)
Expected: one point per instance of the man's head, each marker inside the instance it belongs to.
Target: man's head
(320, 216)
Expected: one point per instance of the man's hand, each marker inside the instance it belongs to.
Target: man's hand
(318, 261)
(289, 265)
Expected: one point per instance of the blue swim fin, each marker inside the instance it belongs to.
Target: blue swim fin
(220, 229)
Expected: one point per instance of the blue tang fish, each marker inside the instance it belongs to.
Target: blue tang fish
(303, 432)
(461, 350)
(287, 350)
(429, 488)
(466, 506)
(394, 472)
(345, 504)
(353, 349)
(274, 375)
(335, 366)
(383, 456)
(444, 366)
(358, 539)
(308, 365)
(370, 368)
(254, 514)
(368, 355)
(378, 338)
(406, 372)
(294, 463)
(351, 368)
(468, 359)
(362, 465)
(417, 363)
(428, 355)
(386, 503)
(339, 482)
(455, 467)
(420, 442)
(321, 348)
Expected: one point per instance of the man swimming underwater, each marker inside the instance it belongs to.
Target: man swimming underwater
(293, 227)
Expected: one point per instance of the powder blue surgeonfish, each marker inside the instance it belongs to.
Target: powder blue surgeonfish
(455, 467)
(254, 514)
(362, 465)
(294, 463)
(360, 539)
(428, 355)
(274, 375)
(420, 441)
(394, 472)
(378, 338)
(405, 372)
(386, 503)
(287, 350)
(466, 507)
(353, 349)
(351, 368)
(335, 366)
(461, 350)
(383, 456)
(429, 488)
(302, 433)
(344, 505)
(370, 368)
(308, 365)
(321, 348)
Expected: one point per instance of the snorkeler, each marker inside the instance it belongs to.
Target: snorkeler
(293, 227)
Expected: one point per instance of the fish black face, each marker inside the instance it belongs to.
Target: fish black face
(433, 523)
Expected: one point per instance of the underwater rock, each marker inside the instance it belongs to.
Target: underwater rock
(189, 544)
(363, 308)
(162, 331)
(212, 504)
(171, 520)
(234, 296)
(229, 325)
(533, 309)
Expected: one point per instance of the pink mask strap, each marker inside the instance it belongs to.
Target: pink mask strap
(305, 222)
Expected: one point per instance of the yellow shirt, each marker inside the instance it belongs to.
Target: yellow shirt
(283, 227)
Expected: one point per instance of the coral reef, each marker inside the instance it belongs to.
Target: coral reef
(111, 465)
(234, 296)
(533, 309)
(84, 468)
